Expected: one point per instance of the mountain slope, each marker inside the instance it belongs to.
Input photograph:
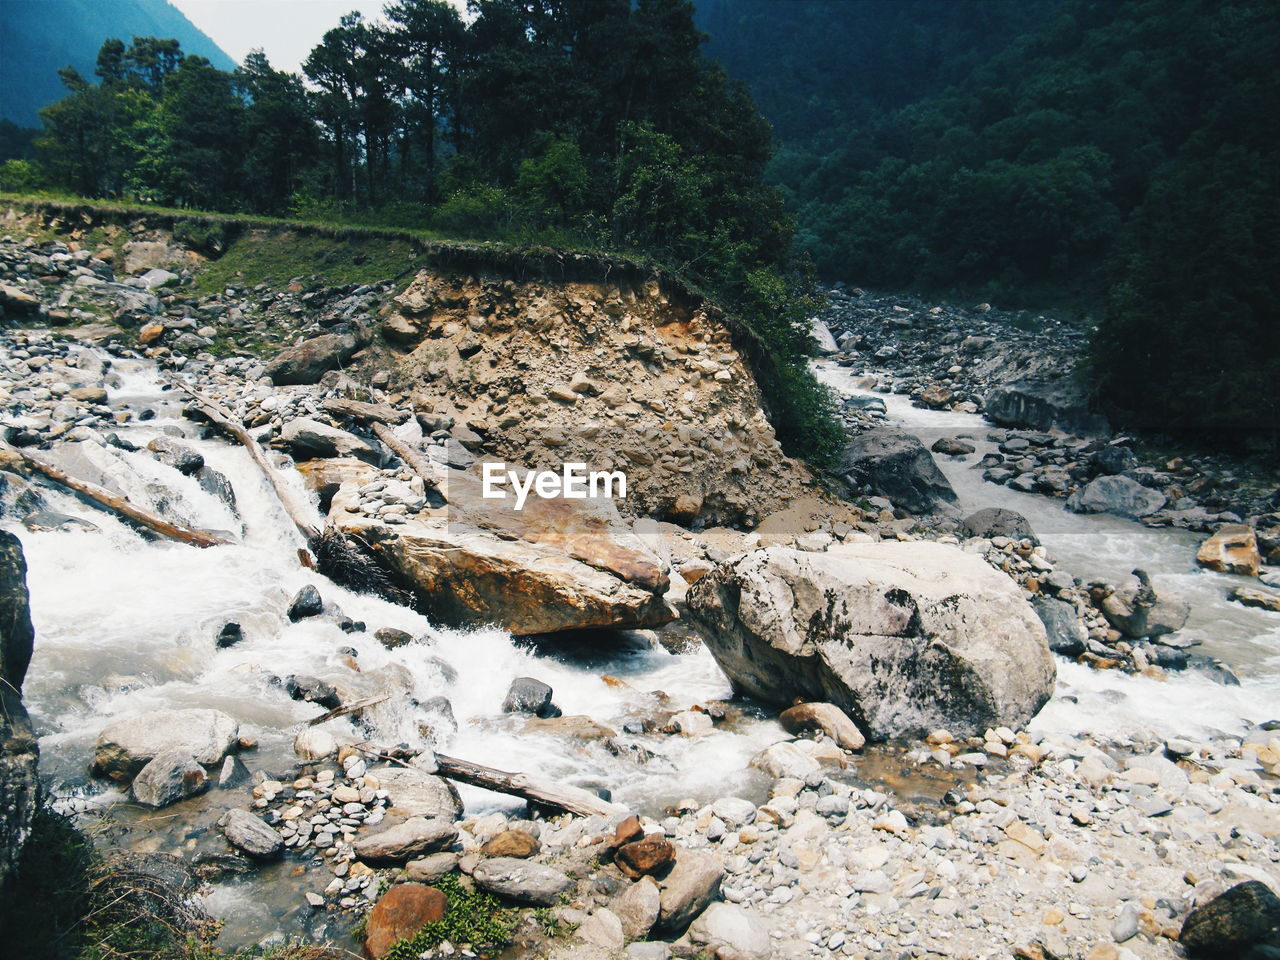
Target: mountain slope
(39, 37)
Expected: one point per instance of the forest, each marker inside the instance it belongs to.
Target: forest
(1117, 161)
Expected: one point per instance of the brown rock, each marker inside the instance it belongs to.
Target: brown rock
(826, 717)
(576, 728)
(1232, 549)
(512, 843)
(150, 333)
(685, 510)
(628, 831)
(1263, 599)
(400, 913)
(647, 857)
(692, 883)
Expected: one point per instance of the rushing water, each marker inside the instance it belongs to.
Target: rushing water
(125, 625)
(1106, 547)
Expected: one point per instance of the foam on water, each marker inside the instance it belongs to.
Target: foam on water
(1106, 547)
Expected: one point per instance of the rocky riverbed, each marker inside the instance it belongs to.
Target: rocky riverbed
(930, 796)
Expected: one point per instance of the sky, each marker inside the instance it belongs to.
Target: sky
(285, 29)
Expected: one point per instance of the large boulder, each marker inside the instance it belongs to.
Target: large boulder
(523, 881)
(19, 751)
(1122, 496)
(732, 926)
(1233, 548)
(992, 522)
(170, 776)
(1066, 631)
(128, 745)
(554, 565)
(1136, 610)
(417, 794)
(1044, 405)
(895, 465)
(308, 438)
(308, 361)
(406, 841)
(1232, 924)
(687, 889)
(904, 637)
(822, 337)
(251, 834)
(399, 914)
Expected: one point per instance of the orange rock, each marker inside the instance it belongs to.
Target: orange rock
(401, 912)
(151, 333)
(1232, 549)
(512, 843)
(645, 857)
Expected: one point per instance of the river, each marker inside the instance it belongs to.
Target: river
(125, 625)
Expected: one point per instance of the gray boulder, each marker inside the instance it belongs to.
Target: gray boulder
(998, 522)
(19, 751)
(523, 881)
(307, 438)
(729, 925)
(1044, 405)
(897, 466)
(1136, 610)
(128, 745)
(406, 841)
(249, 833)
(170, 776)
(308, 361)
(1121, 496)
(417, 794)
(1067, 634)
(527, 695)
(904, 637)
(638, 907)
(691, 884)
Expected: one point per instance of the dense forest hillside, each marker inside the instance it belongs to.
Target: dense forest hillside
(39, 39)
(1114, 155)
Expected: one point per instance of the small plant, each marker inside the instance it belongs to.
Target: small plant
(472, 917)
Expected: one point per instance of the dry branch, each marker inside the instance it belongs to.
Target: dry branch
(121, 506)
(576, 800)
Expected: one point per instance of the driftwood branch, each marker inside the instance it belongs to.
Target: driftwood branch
(415, 459)
(222, 418)
(121, 506)
(344, 709)
(576, 800)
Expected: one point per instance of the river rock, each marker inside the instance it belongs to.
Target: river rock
(312, 745)
(431, 868)
(523, 881)
(305, 603)
(1228, 926)
(824, 717)
(952, 447)
(399, 914)
(648, 856)
(1044, 405)
(686, 890)
(1067, 634)
(127, 745)
(308, 361)
(177, 455)
(821, 334)
(895, 465)
(311, 438)
(1262, 599)
(250, 834)
(785, 761)
(638, 908)
(1121, 496)
(19, 750)
(904, 637)
(527, 695)
(604, 929)
(1136, 610)
(512, 843)
(1233, 548)
(729, 925)
(169, 776)
(406, 841)
(417, 794)
(556, 565)
(998, 522)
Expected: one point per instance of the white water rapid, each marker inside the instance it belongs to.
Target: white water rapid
(1104, 703)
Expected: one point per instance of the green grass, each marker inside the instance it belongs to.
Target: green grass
(278, 257)
(472, 917)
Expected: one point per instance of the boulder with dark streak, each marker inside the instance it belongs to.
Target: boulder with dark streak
(897, 466)
(19, 752)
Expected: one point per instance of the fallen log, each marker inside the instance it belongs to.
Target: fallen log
(359, 410)
(221, 418)
(338, 556)
(120, 505)
(561, 796)
(346, 708)
(415, 459)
